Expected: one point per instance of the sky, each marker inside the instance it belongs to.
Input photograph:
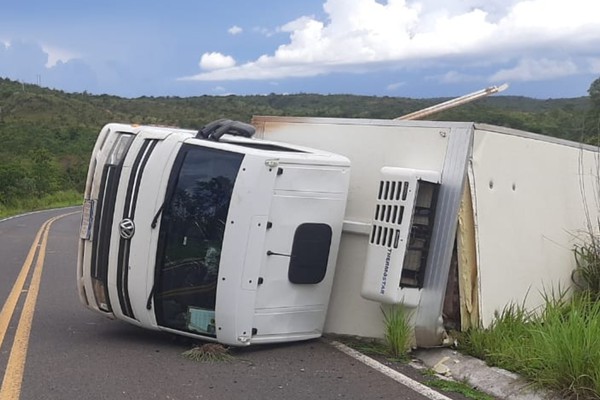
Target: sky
(399, 48)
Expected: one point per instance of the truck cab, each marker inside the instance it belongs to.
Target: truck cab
(222, 237)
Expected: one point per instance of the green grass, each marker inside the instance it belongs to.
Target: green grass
(458, 387)
(398, 331)
(556, 349)
(55, 200)
(587, 274)
(398, 336)
(368, 346)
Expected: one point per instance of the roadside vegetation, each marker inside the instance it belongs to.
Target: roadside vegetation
(398, 339)
(557, 349)
(463, 388)
(398, 331)
(54, 200)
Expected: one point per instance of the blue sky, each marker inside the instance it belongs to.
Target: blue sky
(424, 48)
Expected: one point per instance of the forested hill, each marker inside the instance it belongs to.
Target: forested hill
(47, 135)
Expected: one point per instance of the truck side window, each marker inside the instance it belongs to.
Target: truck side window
(310, 253)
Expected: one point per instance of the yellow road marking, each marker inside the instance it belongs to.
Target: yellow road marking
(13, 376)
(11, 302)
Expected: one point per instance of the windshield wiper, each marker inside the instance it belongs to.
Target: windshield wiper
(149, 302)
(155, 219)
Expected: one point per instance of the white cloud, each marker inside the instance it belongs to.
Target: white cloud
(29, 62)
(536, 70)
(264, 31)
(216, 61)
(56, 54)
(221, 91)
(359, 33)
(235, 30)
(594, 65)
(457, 77)
(394, 86)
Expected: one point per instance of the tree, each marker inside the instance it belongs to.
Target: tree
(592, 122)
(45, 172)
(594, 92)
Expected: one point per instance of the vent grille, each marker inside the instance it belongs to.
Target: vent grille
(389, 213)
(393, 190)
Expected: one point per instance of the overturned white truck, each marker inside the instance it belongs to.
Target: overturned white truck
(217, 235)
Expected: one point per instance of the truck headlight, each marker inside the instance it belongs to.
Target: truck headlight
(119, 149)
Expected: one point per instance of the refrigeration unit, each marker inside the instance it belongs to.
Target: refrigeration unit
(400, 236)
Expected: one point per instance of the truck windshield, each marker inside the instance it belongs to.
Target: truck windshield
(191, 237)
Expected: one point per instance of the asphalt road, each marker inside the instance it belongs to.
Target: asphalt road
(70, 352)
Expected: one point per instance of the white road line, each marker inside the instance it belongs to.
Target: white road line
(37, 212)
(395, 375)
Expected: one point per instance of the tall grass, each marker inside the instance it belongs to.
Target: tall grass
(504, 342)
(586, 275)
(567, 347)
(557, 349)
(398, 331)
(54, 200)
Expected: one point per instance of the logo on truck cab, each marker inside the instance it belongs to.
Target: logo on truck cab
(126, 228)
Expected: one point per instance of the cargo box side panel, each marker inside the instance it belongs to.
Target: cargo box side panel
(529, 199)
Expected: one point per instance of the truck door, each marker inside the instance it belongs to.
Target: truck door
(191, 237)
